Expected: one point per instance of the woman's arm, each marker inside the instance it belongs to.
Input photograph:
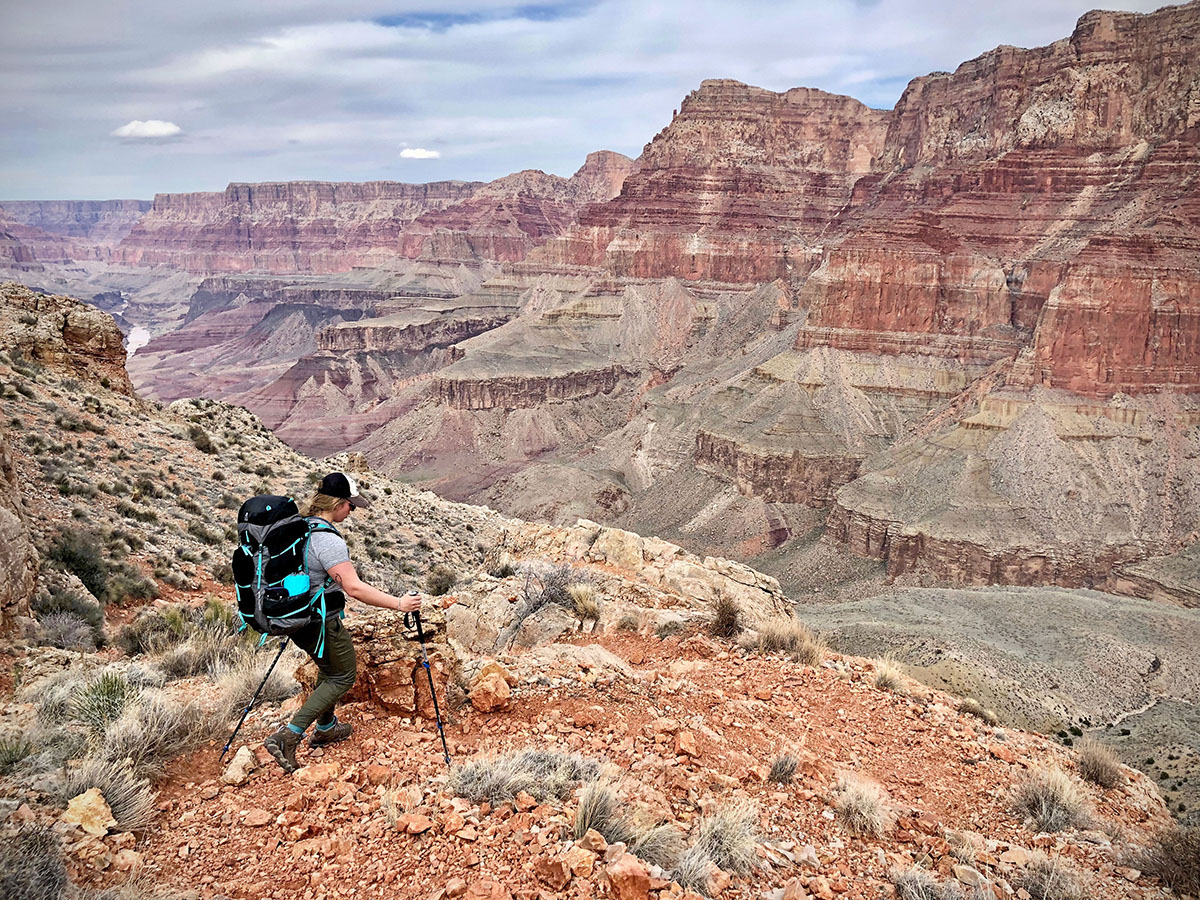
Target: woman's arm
(347, 578)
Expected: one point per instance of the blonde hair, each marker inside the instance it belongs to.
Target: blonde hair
(319, 503)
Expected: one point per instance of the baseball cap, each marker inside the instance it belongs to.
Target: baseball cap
(339, 484)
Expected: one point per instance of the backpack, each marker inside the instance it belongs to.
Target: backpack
(270, 568)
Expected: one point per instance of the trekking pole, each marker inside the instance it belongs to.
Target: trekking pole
(246, 711)
(429, 673)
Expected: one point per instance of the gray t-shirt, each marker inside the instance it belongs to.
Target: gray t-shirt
(325, 550)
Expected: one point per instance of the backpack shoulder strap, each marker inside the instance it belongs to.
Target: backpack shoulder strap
(316, 523)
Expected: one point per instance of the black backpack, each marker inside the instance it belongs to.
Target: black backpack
(270, 568)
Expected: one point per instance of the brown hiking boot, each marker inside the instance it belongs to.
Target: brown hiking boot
(282, 745)
(339, 732)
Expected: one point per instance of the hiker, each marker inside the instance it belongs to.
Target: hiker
(329, 564)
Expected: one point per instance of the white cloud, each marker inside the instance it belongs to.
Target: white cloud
(419, 153)
(150, 129)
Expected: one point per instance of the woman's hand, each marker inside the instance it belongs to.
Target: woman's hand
(410, 602)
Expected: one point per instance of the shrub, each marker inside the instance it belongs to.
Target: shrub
(66, 631)
(155, 630)
(660, 845)
(917, 884)
(129, 796)
(584, 602)
(1174, 856)
(32, 866)
(499, 563)
(540, 773)
(783, 769)
(140, 513)
(204, 651)
(861, 807)
(726, 621)
(1050, 801)
(888, 676)
(202, 439)
(100, 701)
(78, 550)
(14, 747)
(973, 707)
(440, 579)
(1098, 764)
(204, 533)
(1050, 879)
(599, 809)
(629, 622)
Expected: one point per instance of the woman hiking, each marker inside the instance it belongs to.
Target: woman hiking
(329, 564)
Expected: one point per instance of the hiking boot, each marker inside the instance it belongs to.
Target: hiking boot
(339, 732)
(282, 745)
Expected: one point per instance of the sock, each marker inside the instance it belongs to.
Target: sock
(294, 730)
(321, 727)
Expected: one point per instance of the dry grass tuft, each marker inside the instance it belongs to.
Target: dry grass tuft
(1050, 801)
(1050, 879)
(152, 731)
(584, 601)
(1174, 856)
(129, 796)
(790, 636)
(100, 701)
(888, 676)
(660, 845)
(973, 707)
(32, 866)
(540, 773)
(783, 769)
(238, 679)
(862, 807)
(1098, 764)
(599, 809)
(726, 621)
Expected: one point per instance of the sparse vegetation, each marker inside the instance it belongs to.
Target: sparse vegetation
(151, 732)
(629, 622)
(1050, 801)
(973, 707)
(1050, 879)
(14, 747)
(783, 769)
(79, 551)
(728, 839)
(66, 631)
(542, 774)
(888, 676)
(237, 681)
(499, 563)
(726, 621)
(584, 601)
(101, 700)
(599, 809)
(440, 579)
(129, 796)
(861, 807)
(790, 636)
(32, 866)
(918, 884)
(1174, 856)
(1098, 764)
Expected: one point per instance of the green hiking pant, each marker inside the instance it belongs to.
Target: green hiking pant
(336, 671)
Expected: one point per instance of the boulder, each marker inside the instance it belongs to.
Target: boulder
(490, 693)
(238, 771)
(91, 812)
(628, 878)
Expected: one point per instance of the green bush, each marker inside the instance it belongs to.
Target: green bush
(101, 700)
(14, 747)
(78, 550)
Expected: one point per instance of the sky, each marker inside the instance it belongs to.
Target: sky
(127, 98)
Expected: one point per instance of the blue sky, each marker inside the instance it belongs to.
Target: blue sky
(128, 98)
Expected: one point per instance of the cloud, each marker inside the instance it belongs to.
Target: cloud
(149, 130)
(419, 153)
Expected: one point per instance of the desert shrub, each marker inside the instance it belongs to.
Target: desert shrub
(790, 636)
(203, 652)
(499, 563)
(1050, 801)
(86, 608)
(440, 579)
(139, 513)
(783, 769)
(128, 795)
(973, 707)
(600, 810)
(202, 439)
(629, 622)
(1098, 764)
(540, 773)
(660, 845)
(888, 676)
(14, 747)
(584, 601)
(202, 532)
(32, 865)
(1174, 856)
(156, 630)
(66, 631)
(130, 584)
(861, 807)
(237, 680)
(101, 700)
(728, 838)
(79, 551)
(669, 628)
(726, 621)
(152, 731)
